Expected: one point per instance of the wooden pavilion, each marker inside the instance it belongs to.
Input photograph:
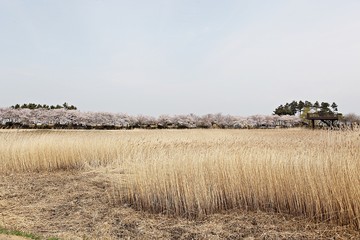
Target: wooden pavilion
(328, 118)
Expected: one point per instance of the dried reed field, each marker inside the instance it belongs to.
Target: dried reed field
(194, 174)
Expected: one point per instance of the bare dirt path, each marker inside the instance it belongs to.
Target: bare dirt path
(9, 237)
(78, 205)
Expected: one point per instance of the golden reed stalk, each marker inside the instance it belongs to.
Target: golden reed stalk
(193, 173)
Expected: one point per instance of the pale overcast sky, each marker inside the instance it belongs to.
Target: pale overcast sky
(182, 56)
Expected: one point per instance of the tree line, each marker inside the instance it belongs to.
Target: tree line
(44, 116)
(74, 119)
(302, 107)
(32, 106)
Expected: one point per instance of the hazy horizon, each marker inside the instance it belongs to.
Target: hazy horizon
(179, 57)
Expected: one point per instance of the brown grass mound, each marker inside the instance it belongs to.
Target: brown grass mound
(80, 205)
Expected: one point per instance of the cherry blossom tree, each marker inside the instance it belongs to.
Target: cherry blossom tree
(64, 118)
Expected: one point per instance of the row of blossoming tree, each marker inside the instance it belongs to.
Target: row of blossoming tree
(74, 119)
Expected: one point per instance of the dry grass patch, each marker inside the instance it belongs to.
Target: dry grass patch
(196, 173)
(309, 173)
(77, 205)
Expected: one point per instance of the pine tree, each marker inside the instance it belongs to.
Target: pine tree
(316, 106)
(334, 107)
(300, 106)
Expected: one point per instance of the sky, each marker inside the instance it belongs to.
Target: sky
(180, 56)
